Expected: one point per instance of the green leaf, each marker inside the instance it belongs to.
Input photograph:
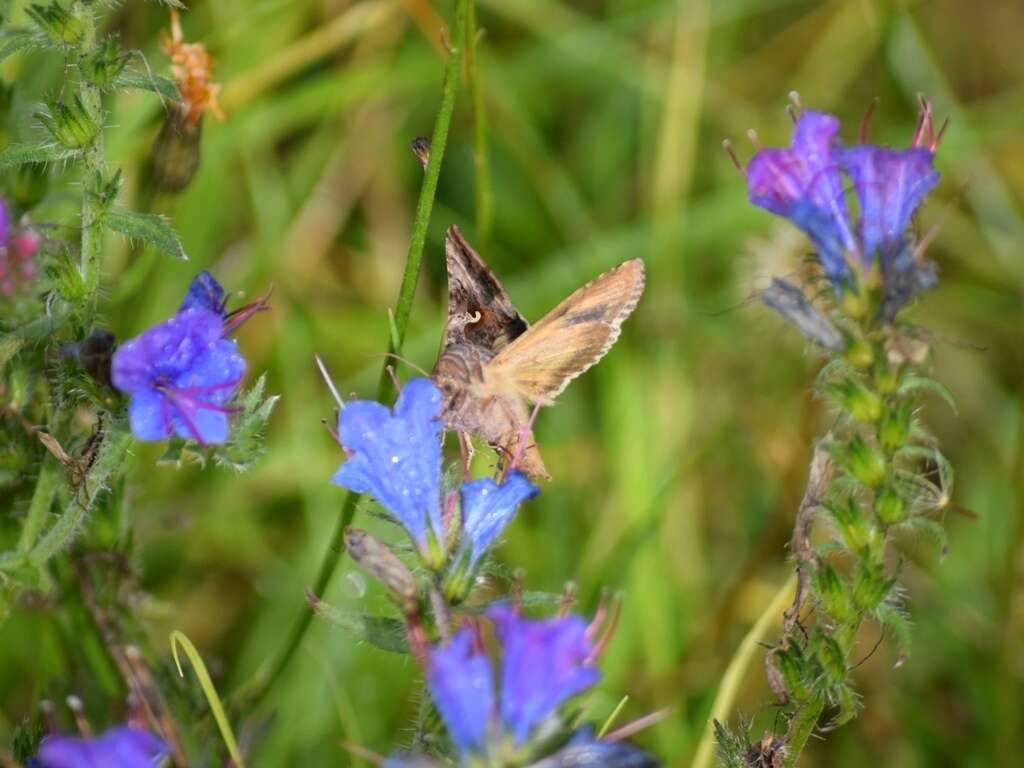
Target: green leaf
(897, 623)
(158, 84)
(385, 633)
(925, 384)
(150, 228)
(930, 528)
(247, 429)
(23, 154)
(17, 39)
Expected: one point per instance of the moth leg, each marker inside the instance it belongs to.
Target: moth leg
(524, 440)
(466, 451)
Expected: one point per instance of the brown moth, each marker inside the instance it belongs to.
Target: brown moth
(493, 366)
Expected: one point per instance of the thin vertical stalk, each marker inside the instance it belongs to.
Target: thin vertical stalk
(42, 500)
(484, 196)
(262, 683)
(93, 165)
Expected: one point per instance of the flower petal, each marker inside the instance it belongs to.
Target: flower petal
(462, 686)
(488, 507)
(149, 416)
(804, 184)
(204, 292)
(123, 747)
(890, 185)
(544, 663)
(396, 456)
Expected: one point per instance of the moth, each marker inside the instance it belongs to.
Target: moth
(493, 366)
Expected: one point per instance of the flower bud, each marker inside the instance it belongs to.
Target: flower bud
(59, 24)
(832, 593)
(862, 461)
(175, 157)
(105, 64)
(856, 399)
(859, 353)
(853, 528)
(831, 657)
(894, 428)
(890, 507)
(69, 123)
(380, 562)
(791, 664)
(870, 585)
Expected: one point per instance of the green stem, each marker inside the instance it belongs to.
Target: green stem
(42, 500)
(801, 727)
(93, 166)
(262, 683)
(60, 535)
(484, 198)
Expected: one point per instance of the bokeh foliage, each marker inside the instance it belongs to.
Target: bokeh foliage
(679, 461)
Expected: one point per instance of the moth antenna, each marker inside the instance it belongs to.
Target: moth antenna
(405, 360)
(642, 724)
(330, 382)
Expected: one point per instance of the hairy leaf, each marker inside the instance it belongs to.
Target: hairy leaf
(149, 228)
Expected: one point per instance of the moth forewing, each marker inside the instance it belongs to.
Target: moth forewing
(570, 339)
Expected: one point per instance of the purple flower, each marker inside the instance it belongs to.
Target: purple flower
(544, 663)
(122, 747)
(396, 457)
(462, 686)
(180, 374)
(804, 184)
(206, 293)
(890, 185)
(488, 507)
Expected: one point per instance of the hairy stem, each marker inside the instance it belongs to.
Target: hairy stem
(93, 166)
(42, 500)
(263, 682)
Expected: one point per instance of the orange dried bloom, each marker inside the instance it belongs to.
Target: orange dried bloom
(191, 67)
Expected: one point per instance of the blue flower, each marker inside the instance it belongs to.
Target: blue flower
(543, 664)
(122, 747)
(396, 457)
(488, 507)
(890, 184)
(804, 184)
(462, 686)
(180, 374)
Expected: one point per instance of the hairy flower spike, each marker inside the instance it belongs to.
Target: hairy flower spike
(123, 747)
(805, 185)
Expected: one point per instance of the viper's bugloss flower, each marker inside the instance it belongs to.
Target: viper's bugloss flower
(122, 747)
(204, 292)
(18, 248)
(487, 508)
(462, 685)
(543, 664)
(395, 456)
(180, 374)
(805, 185)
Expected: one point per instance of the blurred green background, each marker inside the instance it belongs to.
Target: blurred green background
(678, 462)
